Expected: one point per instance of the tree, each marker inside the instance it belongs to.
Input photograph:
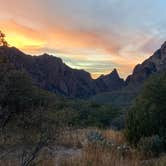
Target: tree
(147, 116)
(3, 42)
(23, 108)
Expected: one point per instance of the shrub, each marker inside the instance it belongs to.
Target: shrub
(95, 136)
(151, 145)
(95, 115)
(147, 117)
(118, 123)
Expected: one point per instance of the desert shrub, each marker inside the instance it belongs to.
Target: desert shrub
(118, 123)
(147, 117)
(151, 146)
(94, 136)
(95, 115)
(23, 108)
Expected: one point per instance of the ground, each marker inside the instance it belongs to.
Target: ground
(84, 147)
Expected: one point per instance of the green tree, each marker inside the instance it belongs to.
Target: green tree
(23, 112)
(147, 117)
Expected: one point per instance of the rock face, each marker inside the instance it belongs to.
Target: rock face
(155, 64)
(110, 82)
(50, 73)
(133, 84)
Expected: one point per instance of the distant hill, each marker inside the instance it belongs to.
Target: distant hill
(50, 73)
(153, 65)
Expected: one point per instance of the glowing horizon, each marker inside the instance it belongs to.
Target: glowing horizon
(96, 35)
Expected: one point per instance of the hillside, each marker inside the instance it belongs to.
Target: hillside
(50, 73)
(133, 84)
(36, 123)
(43, 129)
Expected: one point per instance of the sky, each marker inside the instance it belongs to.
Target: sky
(94, 35)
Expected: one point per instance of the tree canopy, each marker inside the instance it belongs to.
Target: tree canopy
(147, 116)
(3, 42)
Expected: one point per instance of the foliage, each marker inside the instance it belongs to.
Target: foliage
(147, 116)
(118, 123)
(22, 112)
(95, 115)
(3, 42)
(120, 99)
(21, 104)
(32, 117)
(151, 146)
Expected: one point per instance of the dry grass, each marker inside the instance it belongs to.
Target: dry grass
(93, 154)
(98, 155)
(160, 162)
(117, 136)
(9, 163)
(78, 138)
(72, 138)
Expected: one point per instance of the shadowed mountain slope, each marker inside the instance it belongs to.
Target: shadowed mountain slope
(50, 73)
(133, 84)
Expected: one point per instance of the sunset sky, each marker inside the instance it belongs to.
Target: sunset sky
(95, 35)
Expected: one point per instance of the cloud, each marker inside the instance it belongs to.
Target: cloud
(21, 36)
(118, 34)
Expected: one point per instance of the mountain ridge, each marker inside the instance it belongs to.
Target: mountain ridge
(50, 73)
(153, 65)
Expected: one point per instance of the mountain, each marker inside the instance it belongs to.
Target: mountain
(155, 64)
(134, 82)
(50, 73)
(110, 82)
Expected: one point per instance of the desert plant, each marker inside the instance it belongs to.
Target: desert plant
(147, 116)
(150, 146)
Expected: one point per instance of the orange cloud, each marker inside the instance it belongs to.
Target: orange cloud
(82, 30)
(70, 43)
(58, 37)
(21, 36)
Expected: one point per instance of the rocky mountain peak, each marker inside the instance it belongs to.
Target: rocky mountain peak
(163, 48)
(154, 64)
(110, 81)
(114, 74)
(50, 73)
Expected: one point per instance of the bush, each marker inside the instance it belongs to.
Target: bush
(147, 117)
(118, 123)
(95, 115)
(151, 146)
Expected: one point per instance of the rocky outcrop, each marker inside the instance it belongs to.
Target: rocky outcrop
(134, 83)
(110, 82)
(50, 73)
(155, 64)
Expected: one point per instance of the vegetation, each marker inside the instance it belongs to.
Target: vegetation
(147, 117)
(92, 153)
(33, 120)
(94, 115)
(120, 99)
(3, 42)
